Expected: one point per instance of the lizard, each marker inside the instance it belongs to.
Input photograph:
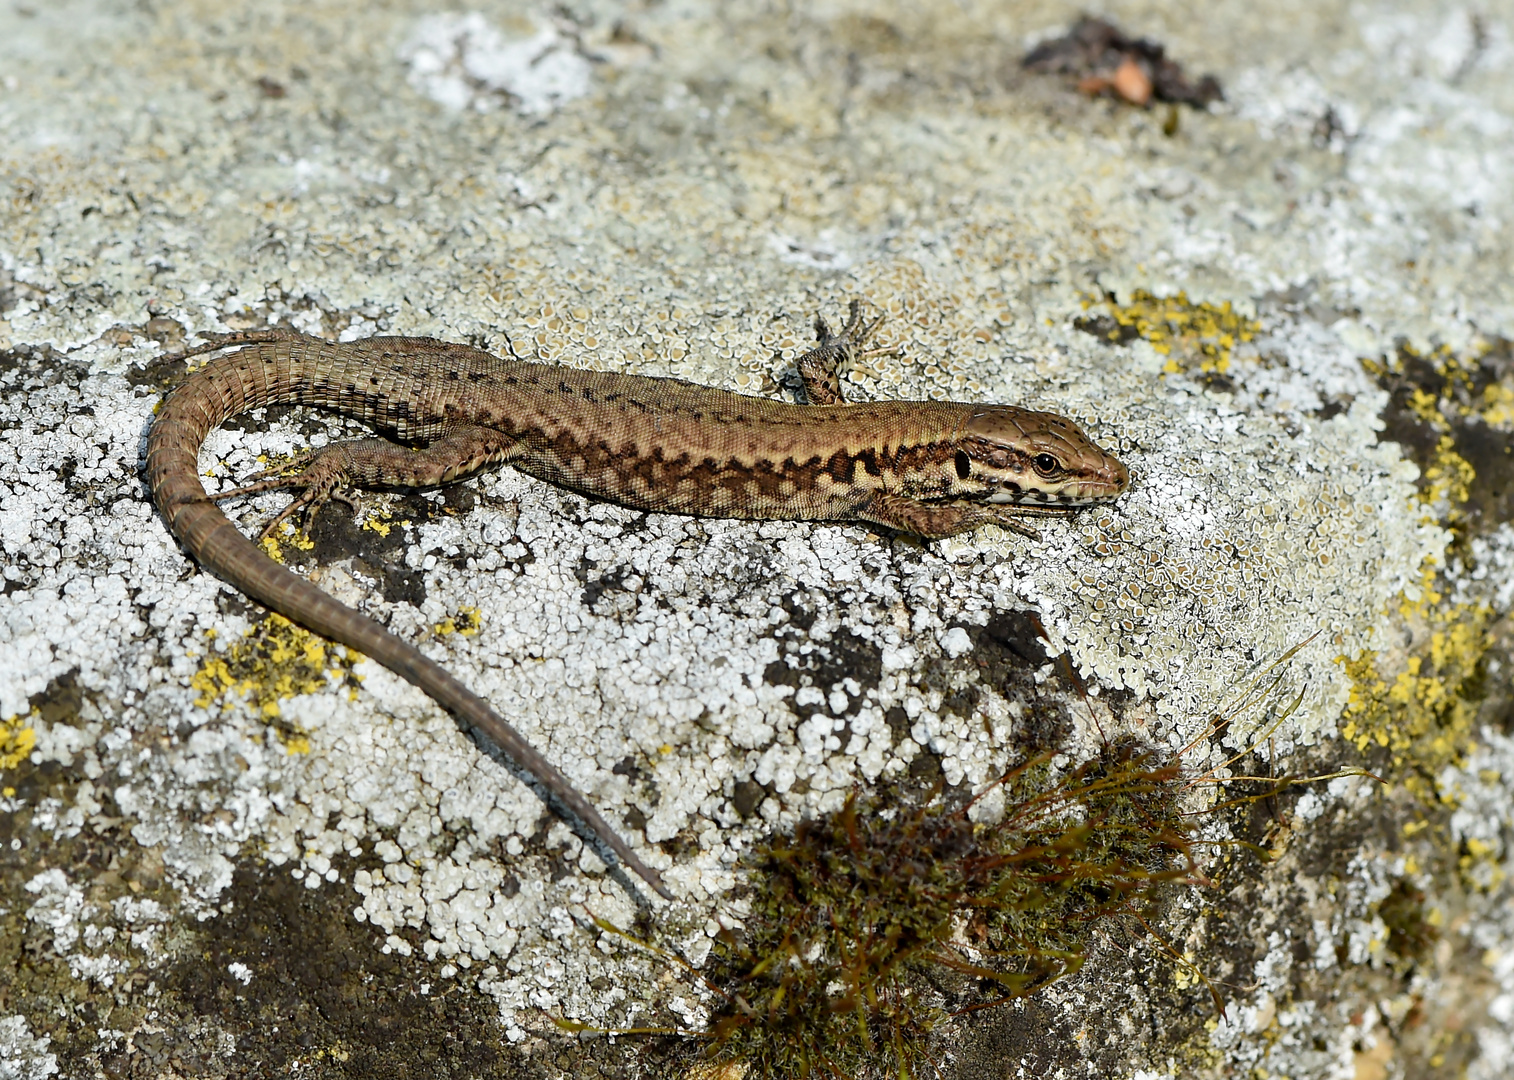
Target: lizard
(445, 411)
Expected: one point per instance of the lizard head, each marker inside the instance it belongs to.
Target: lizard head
(1033, 459)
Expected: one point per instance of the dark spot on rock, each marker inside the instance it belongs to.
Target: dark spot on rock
(159, 373)
(1018, 636)
(163, 330)
(925, 769)
(336, 536)
(1333, 407)
(60, 701)
(403, 586)
(1410, 932)
(611, 592)
(1031, 1039)
(823, 664)
(319, 979)
(629, 768)
(460, 498)
(1107, 329)
(231, 602)
(801, 615)
(747, 797)
(1490, 452)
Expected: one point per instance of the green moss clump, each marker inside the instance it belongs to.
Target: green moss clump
(826, 979)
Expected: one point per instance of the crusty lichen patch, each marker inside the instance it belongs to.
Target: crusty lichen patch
(466, 622)
(274, 661)
(16, 741)
(1192, 335)
(1422, 714)
(1422, 707)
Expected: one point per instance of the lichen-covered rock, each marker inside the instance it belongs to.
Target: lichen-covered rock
(230, 849)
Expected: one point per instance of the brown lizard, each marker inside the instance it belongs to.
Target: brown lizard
(924, 467)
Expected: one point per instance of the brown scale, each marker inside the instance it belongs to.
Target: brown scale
(929, 468)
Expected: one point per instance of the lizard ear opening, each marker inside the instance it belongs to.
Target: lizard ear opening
(964, 465)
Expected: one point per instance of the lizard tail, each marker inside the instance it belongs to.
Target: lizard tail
(259, 375)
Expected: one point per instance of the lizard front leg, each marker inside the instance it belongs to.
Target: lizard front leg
(936, 521)
(328, 473)
(820, 367)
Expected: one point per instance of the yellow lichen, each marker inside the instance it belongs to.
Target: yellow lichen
(1497, 407)
(1455, 398)
(1187, 972)
(1192, 336)
(275, 660)
(1448, 480)
(465, 622)
(1480, 866)
(17, 738)
(1425, 714)
(1426, 406)
(378, 525)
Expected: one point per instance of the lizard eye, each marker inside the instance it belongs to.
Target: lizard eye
(1046, 464)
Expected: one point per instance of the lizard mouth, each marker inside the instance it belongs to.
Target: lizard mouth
(1089, 493)
(1067, 499)
(1093, 483)
(1082, 492)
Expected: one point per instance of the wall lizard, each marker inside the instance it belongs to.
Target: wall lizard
(924, 467)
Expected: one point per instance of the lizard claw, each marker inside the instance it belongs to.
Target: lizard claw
(854, 335)
(860, 333)
(321, 476)
(303, 504)
(279, 476)
(307, 504)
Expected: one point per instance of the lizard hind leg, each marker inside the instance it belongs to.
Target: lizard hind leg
(321, 476)
(332, 471)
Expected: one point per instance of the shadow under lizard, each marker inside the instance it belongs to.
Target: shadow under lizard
(924, 467)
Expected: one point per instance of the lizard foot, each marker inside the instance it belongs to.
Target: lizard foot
(331, 471)
(936, 521)
(820, 367)
(322, 475)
